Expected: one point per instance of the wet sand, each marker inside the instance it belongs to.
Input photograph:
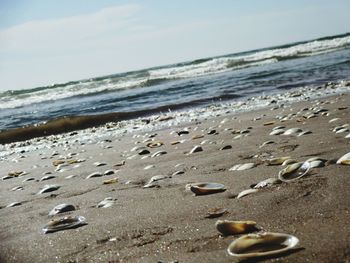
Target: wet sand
(166, 222)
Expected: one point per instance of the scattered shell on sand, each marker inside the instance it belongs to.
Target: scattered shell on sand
(216, 212)
(159, 153)
(207, 188)
(149, 167)
(62, 208)
(294, 171)
(226, 147)
(246, 192)
(345, 159)
(241, 167)
(49, 188)
(71, 176)
(153, 179)
(97, 164)
(277, 132)
(29, 179)
(267, 182)
(107, 202)
(293, 131)
(110, 181)
(198, 136)
(120, 163)
(155, 144)
(143, 152)
(109, 172)
(261, 245)
(277, 160)
(178, 172)
(95, 174)
(17, 188)
(14, 204)
(47, 177)
(64, 223)
(195, 149)
(228, 227)
(266, 143)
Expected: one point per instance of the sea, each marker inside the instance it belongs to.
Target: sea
(184, 85)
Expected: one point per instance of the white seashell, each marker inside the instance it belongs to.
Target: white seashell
(105, 203)
(178, 172)
(277, 132)
(246, 192)
(153, 179)
(47, 177)
(278, 128)
(195, 149)
(333, 120)
(95, 174)
(261, 245)
(289, 161)
(241, 167)
(294, 171)
(342, 130)
(17, 188)
(61, 209)
(347, 136)
(149, 167)
(29, 179)
(64, 223)
(97, 164)
(266, 143)
(345, 159)
(267, 182)
(292, 131)
(316, 164)
(304, 133)
(109, 172)
(49, 188)
(159, 153)
(14, 204)
(277, 160)
(71, 176)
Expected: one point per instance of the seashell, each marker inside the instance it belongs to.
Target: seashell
(47, 177)
(155, 144)
(266, 143)
(105, 203)
(292, 131)
(17, 188)
(316, 163)
(304, 133)
(211, 132)
(153, 179)
(109, 172)
(178, 172)
(16, 173)
(71, 176)
(120, 163)
(182, 132)
(226, 147)
(159, 153)
(207, 188)
(333, 120)
(288, 161)
(198, 136)
(216, 212)
(14, 204)
(278, 128)
(64, 223)
(175, 142)
(29, 179)
(49, 188)
(6, 177)
(110, 181)
(97, 164)
(347, 136)
(277, 160)
(228, 227)
(149, 167)
(268, 123)
(246, 192)
(267, 182)
(342, 130)
(195, 149)
(294, 171)
(345, 159)
(57, 162)
(62, 208)
(143, 152)
(241, 167)
(95, 174)
(261, 245)
(277, 132)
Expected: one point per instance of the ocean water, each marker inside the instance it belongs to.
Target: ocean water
(190, 84)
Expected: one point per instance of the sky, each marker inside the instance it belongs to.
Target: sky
(43, 42)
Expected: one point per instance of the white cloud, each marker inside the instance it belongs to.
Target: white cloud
(57, 35)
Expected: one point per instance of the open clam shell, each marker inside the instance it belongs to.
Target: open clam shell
(207, 188)
(64, 223)
(261, 245)
(294, 171)
(228, 227)
(277, 160)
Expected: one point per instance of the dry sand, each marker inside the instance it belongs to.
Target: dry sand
(167, 223)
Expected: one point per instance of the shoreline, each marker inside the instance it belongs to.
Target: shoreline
(166, 222)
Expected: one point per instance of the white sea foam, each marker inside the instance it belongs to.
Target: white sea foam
(195, 69)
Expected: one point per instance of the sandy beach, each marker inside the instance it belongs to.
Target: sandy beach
(166, 222)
